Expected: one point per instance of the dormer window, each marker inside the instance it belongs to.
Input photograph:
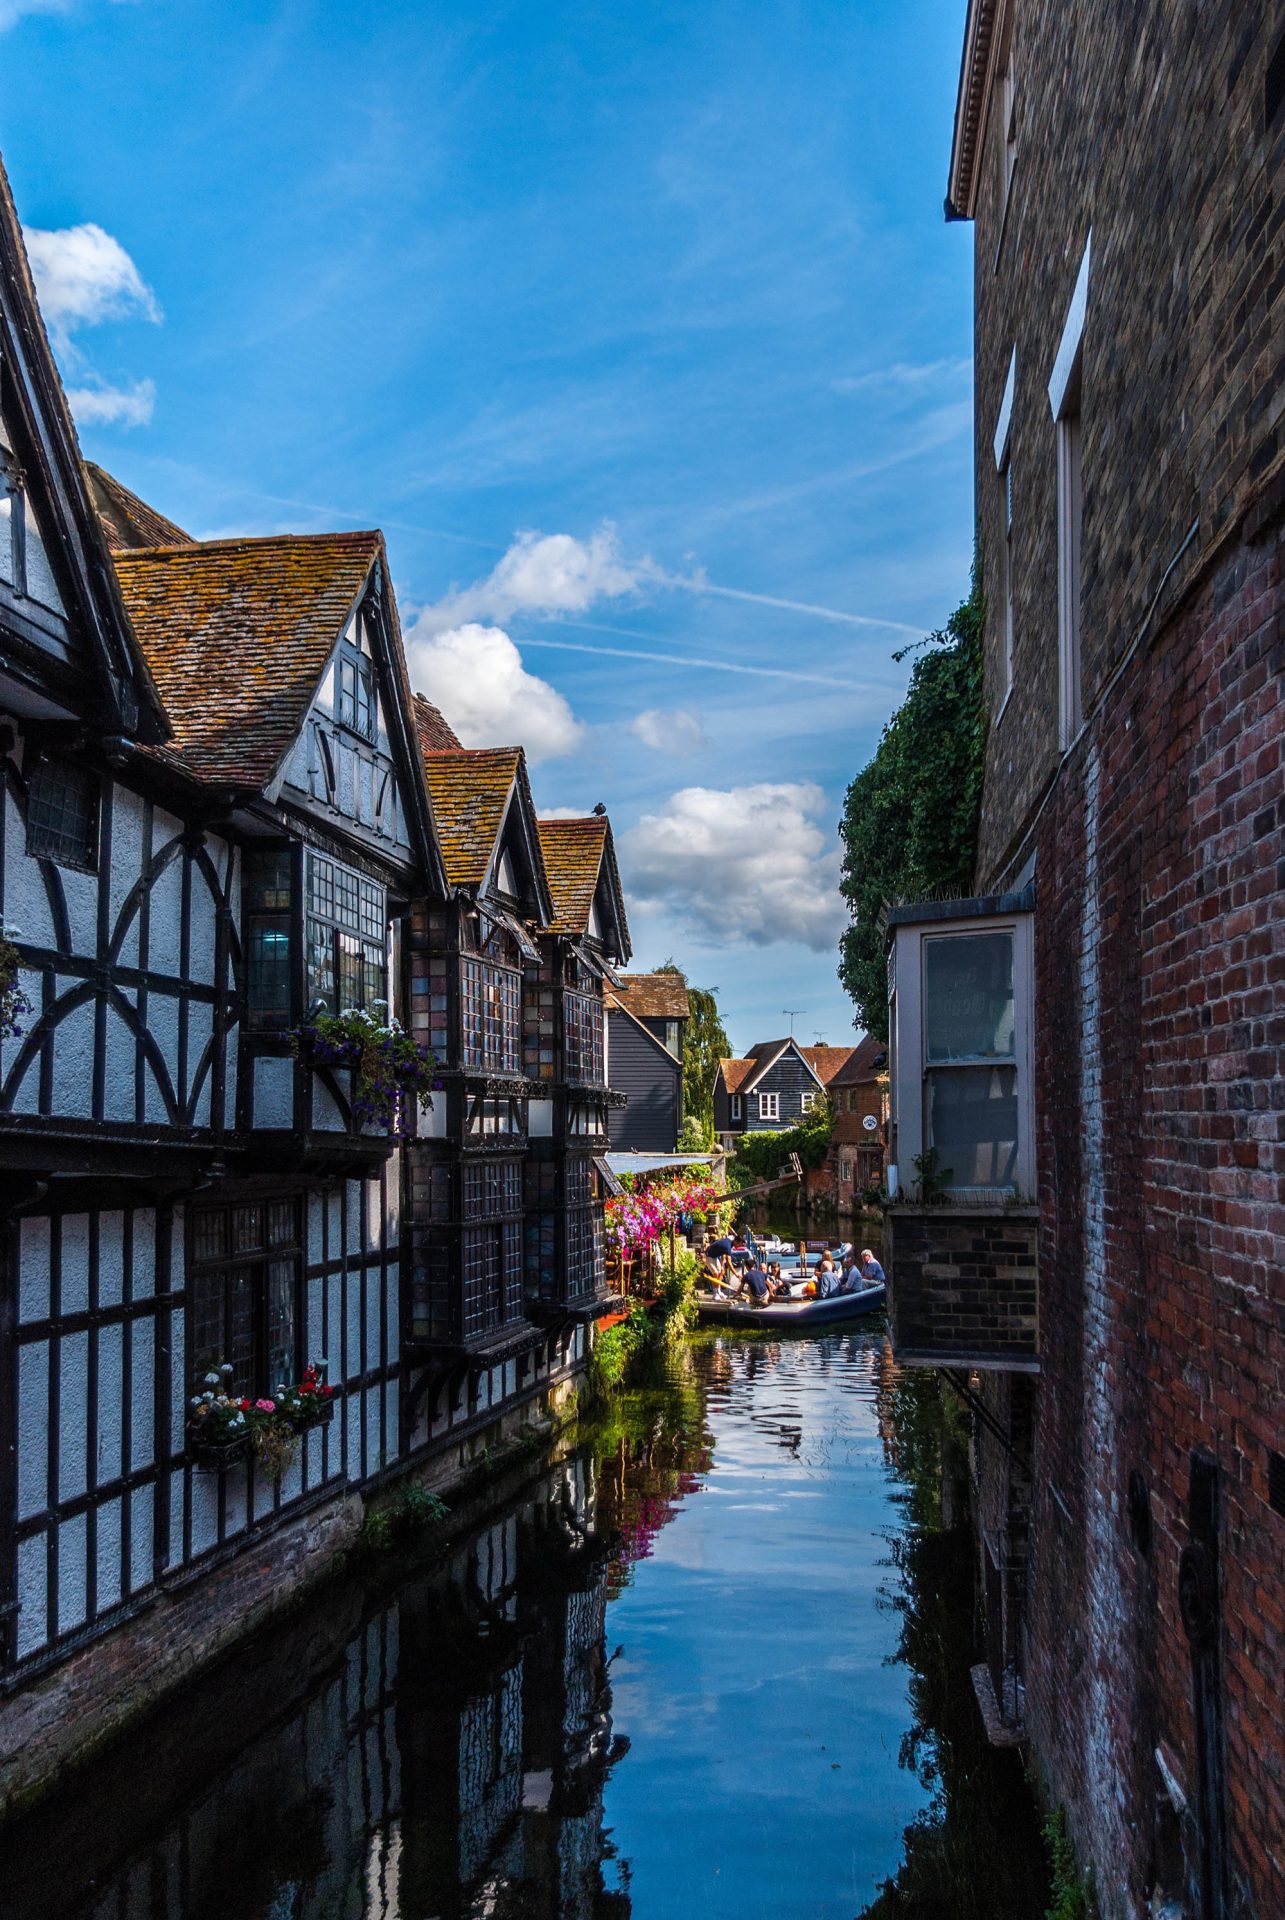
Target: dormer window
(358, 706)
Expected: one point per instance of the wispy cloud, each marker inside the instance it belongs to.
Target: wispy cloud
(544, 574)
(676, 731)
(692, 660)
(84, 276)
(699, 584)
(903, 375)
(104, 405)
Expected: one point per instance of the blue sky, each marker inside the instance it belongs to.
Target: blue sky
(637, 329)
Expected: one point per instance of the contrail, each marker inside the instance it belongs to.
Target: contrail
(689, 660)
(699, 585)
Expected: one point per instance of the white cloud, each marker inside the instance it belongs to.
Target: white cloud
(101, 405)
(903, 374)
(562, 813)
(677, 731)
(84, 276)
(475, 674)
(741, 863)
(544, 573)
(11, 11)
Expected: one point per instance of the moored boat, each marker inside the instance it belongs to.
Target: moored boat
(727, 1310)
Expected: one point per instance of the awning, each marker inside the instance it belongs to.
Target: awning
(657, 1162)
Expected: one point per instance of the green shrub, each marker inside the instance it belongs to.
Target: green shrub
(1070, 1895)
(409, 1510)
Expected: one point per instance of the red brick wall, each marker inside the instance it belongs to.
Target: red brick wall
(1161, 1096)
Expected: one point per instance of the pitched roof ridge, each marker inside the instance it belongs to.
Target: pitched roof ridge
(234, 543)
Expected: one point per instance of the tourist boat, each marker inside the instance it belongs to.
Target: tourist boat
(727, 1310)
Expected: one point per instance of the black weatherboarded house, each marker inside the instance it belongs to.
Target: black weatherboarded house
(646, 1017)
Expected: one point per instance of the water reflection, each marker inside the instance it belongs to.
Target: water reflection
(757, 1538)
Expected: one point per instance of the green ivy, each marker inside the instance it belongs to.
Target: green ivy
(909, 826)
(762, 1156)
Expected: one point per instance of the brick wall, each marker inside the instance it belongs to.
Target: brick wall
(962, 1283)
(1145, 124)
(1161, 1093)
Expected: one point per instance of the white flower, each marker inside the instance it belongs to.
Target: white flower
(211, 1379)
(207, 1399)
(195, 1401)
(226, 1367)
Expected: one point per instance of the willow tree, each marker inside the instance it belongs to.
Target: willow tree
(909, 826)
(705, 1043)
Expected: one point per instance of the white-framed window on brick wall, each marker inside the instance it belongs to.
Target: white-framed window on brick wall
(1066, 388)
(961, 1020)
(1004, 470)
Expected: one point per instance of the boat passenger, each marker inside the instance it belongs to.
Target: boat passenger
(778, 1286)
(871, 1272)
(827, 1280)
(754, 1281)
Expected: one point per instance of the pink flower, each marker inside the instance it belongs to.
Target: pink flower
(265, 1406)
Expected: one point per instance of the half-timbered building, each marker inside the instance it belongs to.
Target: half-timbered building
(471, 1345)
(564, 1043)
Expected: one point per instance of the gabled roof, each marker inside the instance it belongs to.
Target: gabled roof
(735, 1073)
(473, 791)
(868, 1058)
(614, 1004)
(237, 634)
(126, 520)
(576, 852)
(435, 735)
(652, 996)
(827, 1062)
(129, 701)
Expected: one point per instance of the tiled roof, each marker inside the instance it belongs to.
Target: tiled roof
(736, 1073)
(572, 852)
(435, 735)
(237, 634)
(826, 1062)
(126, 520)
(652, 996)
(470, 789)
(868, 1058)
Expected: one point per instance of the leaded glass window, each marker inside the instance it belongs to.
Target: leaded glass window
(344, 940)
(244, 1284)
(62, 814)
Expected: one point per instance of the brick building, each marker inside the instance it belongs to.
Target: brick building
(1087, 1056)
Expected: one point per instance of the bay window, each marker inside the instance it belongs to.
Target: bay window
(960, 1023)
(346, 938)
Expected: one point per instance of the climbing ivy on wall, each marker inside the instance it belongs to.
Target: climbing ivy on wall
(909, 826)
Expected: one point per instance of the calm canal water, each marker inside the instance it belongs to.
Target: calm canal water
(712, 1663)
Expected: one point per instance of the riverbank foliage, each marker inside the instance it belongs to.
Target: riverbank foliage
(646, 1329)
(909, 826)
(762, 1156)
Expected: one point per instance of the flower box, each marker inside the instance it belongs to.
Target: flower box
(216, 1456)
(318, 1416)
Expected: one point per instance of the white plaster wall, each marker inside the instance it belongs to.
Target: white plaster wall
(200, 1026)
(162, 1019)
(75, 1263)
(111, 1258)
(33, 1268)
(128, 821)
(273, 1092)
(33, 1427)
(165, 922)
(73, 1059)
(122, 1052)
(203, 943)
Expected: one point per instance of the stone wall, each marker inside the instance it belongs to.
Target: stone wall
(962, 1284)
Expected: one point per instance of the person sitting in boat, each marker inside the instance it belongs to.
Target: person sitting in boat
(852, 1280)
(755, 1283)
(871, 1272)
(827, 1280)
(778, 1285)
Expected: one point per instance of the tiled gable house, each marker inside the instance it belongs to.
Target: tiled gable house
(224, 816)
(773, 1088)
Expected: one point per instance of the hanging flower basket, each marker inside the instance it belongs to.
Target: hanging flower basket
(216, 1456)
(389, 1068)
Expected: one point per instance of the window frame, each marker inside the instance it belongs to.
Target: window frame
(352, 946)
(909, 1069)
(224, 1268)
(1065, 391)
(361, 697)
(736, 1106)
(769, 1106)
(808, 1100)
(273, 918)
(85, 857)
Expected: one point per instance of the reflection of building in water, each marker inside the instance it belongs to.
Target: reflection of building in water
(450, 1760)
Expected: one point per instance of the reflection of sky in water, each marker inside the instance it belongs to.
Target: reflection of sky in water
(763, 1776)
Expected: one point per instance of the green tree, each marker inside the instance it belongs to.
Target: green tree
(909, 826)
(705, 1043)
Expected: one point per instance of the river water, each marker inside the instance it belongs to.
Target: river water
(711, 1662)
